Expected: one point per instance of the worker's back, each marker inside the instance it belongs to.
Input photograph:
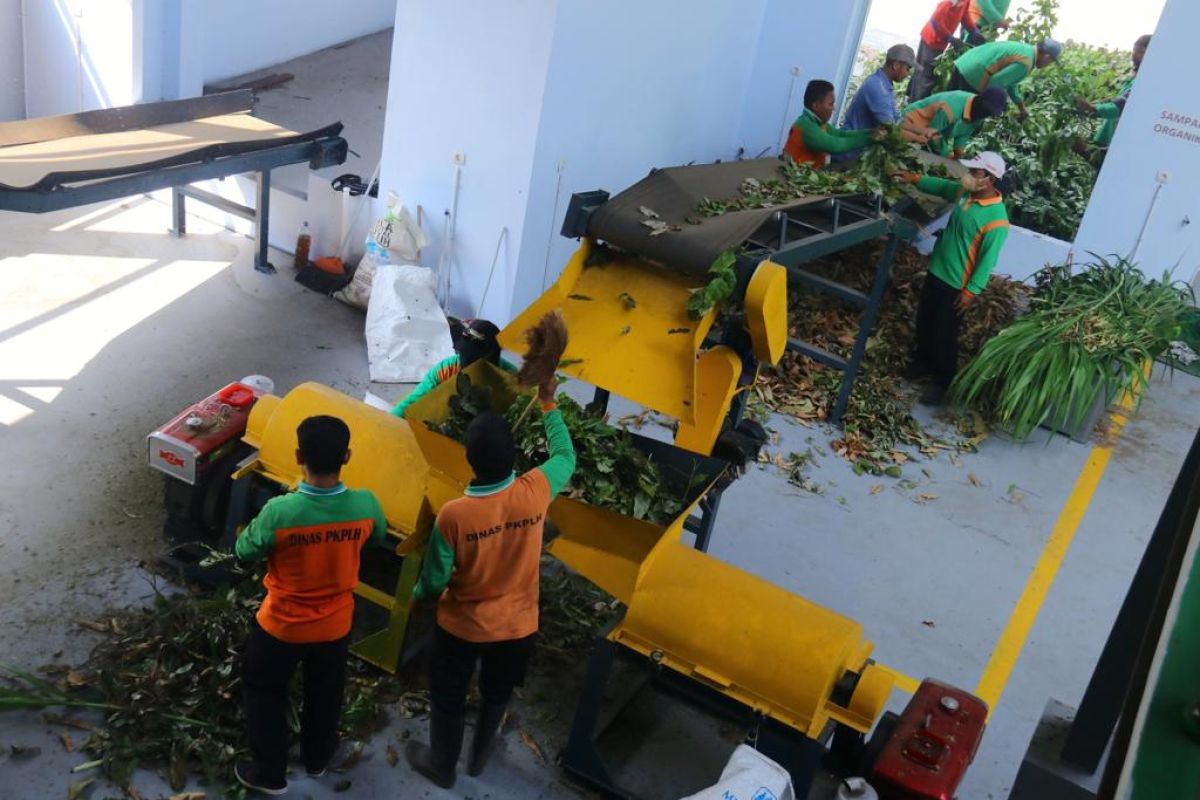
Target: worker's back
(314, 538)
(497, 543)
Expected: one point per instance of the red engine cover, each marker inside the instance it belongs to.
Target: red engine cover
(932, 746)
(202, 433)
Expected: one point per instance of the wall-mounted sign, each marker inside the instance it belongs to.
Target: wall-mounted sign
(1178, 126)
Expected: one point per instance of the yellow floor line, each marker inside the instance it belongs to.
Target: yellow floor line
(1004, 657)
(903, 682)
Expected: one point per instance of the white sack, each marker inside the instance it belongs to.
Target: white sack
(406, 331)
(749, 775)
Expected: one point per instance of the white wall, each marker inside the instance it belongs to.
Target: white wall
(12, 62)
(241, 36)
(63, 75)
(1143, 148)
(551, 97)
(467, 76)
(665, 100)
(1026, 252)
(798, 42)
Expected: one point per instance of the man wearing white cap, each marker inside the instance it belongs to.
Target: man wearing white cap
(959, 268)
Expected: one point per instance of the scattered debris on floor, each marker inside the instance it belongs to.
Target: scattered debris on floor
(880, 433)
(167, 680)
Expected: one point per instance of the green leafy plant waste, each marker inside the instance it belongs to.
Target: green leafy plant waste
(1053, 168)
(1087, 338)
(718, 289)
(610, 471)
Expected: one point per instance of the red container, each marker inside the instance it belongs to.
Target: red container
(932, 746)
(201, 434)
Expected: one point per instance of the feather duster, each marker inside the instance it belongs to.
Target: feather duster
(547, 341)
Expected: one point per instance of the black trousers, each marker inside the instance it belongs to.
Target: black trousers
(921, 84)
(267, 668)
(938, 323)
(959, 84)
(453, 663)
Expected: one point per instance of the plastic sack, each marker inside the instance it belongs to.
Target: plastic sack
(406, 331)
(749, 775)
(397, 238)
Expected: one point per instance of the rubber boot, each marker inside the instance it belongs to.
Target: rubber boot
(487, 731)
(437, 760)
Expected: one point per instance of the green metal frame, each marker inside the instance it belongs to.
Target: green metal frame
(851, 221)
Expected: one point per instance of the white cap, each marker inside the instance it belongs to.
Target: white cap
(989, 162)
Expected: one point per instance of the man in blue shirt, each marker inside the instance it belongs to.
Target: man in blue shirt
(875, 102)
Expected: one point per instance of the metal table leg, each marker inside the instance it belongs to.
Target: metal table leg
(882, 272)
(262, 213)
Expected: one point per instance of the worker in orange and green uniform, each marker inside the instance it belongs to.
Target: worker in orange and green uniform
(936, 36)
(960, 266)
(1110, 113)
(1003, 65)
(311, 540)
(985, 16)
(950, 119)
(811, 140)
(482, 562)
(473, 339)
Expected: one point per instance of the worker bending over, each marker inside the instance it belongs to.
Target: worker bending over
(1110, 112)
(936, 36)
(1003, 65)
(960, 266)
(311, 539)
(482, 562)
(811, 140)
(984, 17)
(474, 340)
(950, 119)
(874, 103)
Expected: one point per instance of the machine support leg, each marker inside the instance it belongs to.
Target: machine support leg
(708, 520)
(178, 212)
(580, 755)
(871, 312)
(262, 214)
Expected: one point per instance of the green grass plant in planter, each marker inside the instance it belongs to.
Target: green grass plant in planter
(1088, 337)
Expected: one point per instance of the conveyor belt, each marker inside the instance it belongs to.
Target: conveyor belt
(673, 194)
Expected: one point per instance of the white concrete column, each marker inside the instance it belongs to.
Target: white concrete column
(1145, 202)
(545, 98)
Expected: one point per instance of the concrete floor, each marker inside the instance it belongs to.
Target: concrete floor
(108, 326)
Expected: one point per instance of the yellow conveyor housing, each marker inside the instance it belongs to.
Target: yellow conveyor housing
(630, 333)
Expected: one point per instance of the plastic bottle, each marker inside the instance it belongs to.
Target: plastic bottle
(856, 789)
(303, 245)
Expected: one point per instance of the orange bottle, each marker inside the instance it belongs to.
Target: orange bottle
(303, 245)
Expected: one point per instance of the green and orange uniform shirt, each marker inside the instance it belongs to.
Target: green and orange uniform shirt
(970, 246)
(998, 64)
(946, 113)
(486, 546)
(438, 374)
(311, 539)
(1110, 113)
(811, 141)
(987, 12)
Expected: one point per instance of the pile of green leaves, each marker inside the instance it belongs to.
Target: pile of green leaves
(1087, 338)
(880, 432)
(168, 680)
(718, 289)
(610, 471)
(1052, 183)
(870, 174)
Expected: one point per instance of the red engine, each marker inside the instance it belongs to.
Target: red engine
(201, 434)
(933, 743)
